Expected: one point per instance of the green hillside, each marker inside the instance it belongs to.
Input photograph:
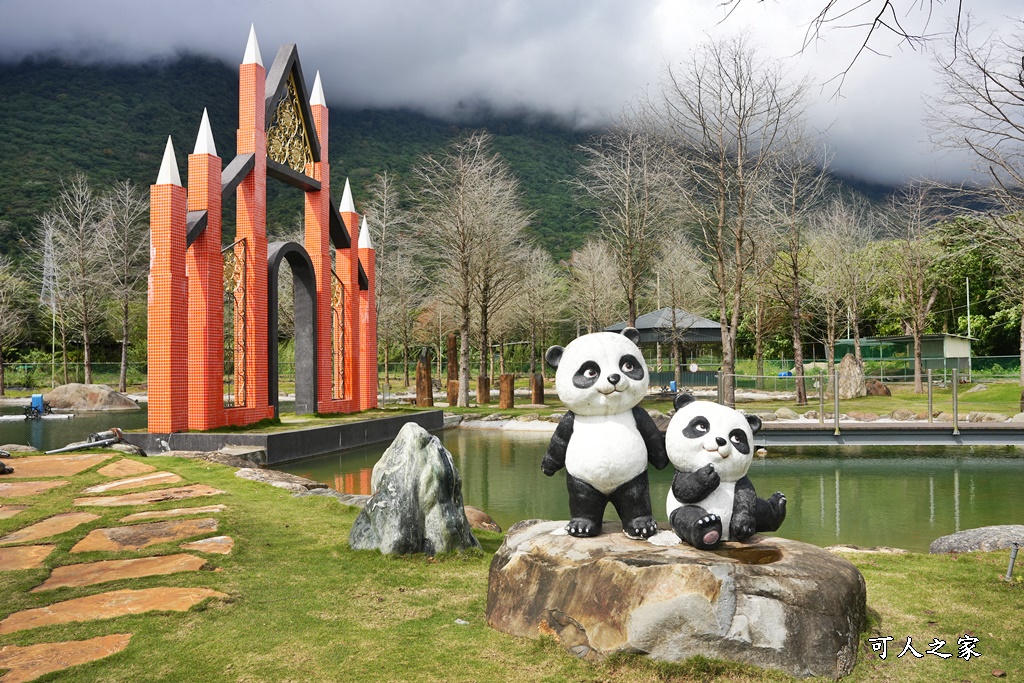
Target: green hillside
(112, 122)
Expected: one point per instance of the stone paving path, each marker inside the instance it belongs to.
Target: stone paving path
(26, 663)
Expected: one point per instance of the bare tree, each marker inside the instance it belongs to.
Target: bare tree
(913, 251)
(76, 217)
(401, 299)
(683, 279)
(463, 194)
(723, 113)
(499, 263)
(123, 241)
(624, 179)
(594, 292)
(14, 304)
(795, 193)
(541, 300)
(909, 22)
(53, 291)
(981, 110)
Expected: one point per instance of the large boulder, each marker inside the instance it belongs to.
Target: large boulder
(984, 538)
(416, 506)
(875, 387)
(770, 602)
(851, 378)
(88, 397)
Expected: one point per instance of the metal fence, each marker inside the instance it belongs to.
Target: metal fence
(34, 376)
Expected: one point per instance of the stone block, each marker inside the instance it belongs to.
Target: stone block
(770, 602)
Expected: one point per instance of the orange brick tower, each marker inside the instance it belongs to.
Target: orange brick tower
(204, 267)
(281, 133)
(367, 323)
(168, 313)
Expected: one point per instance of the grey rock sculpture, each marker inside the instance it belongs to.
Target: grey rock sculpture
(770, 602)
(416, 506)
(851, 378)
(985, 538)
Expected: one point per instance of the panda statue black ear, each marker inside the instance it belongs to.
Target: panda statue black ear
(553, 355)
(632, 334)
(755, 423)
(683, 400)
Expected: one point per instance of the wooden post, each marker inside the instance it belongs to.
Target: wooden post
(453, 369)
(506, 391)
(424, 385)
(537, 389)
(483, 390)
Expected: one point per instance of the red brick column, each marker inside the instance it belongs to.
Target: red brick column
(251, 225)
(347, 265)
(318, 245)
(168, 310)
(368, 333)
(205, 269)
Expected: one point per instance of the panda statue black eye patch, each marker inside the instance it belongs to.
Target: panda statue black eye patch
(738, 438)
(698, 427)
(587, 375)
(631, 367)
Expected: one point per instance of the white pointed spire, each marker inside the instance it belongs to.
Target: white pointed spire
(169, 167)
(204, 141)
(364, 236)
(252, 49)
(346, 200)
(318, 92)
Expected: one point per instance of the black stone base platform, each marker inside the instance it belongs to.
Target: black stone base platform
(296, 444)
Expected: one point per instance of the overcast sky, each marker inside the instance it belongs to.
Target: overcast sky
(580, 59)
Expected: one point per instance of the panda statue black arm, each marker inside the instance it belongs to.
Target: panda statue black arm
(554, 459)
(653, 438)
(744, 510)
(691, 487)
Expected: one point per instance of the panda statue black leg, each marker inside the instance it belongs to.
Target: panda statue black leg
(696, 526)
(586, 508)
(632, 501)
(771, 513)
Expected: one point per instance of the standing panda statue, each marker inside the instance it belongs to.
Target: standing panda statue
(605, 440)
(711, 499)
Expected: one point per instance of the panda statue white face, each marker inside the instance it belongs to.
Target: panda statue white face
(599, 374)
(702, 432)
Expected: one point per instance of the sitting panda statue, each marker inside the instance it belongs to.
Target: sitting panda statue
(711, 499)
(605, 440)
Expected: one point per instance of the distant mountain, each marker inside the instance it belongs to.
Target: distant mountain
(112, 122)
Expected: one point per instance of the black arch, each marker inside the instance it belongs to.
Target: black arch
(304, 281)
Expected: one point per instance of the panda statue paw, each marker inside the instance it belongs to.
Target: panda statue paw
(583, 528)
(640, 528)
(743, 526)
(707, 532)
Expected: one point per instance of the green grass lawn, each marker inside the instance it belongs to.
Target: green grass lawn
(304, 607)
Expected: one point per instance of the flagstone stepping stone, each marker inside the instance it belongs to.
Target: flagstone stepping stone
(24, 557)
(8, 511)
(135, 482)
(20, 489)
(50, 526)
(176, 512)
(89, 573)
(221, 545)
(147, 497)
(139, 536)
(125, 468)
(54, 465)
(27, 663)
(108, 606)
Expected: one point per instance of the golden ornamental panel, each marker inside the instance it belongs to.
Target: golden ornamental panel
(287, 138)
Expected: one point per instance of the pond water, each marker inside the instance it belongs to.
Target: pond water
(897, 497)
(48, 434)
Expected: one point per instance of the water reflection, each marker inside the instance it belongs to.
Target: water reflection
(902, 498)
